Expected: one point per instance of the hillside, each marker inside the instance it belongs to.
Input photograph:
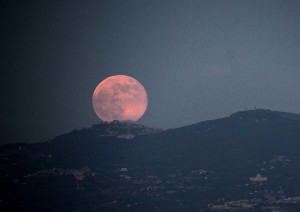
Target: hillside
(245, 162)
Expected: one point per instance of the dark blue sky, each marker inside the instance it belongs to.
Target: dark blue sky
(198, 60)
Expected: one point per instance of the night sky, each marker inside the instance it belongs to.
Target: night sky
(198, 60)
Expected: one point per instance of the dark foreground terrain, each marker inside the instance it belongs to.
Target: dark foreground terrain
(248, 161)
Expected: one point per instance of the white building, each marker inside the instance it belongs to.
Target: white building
(258, 178)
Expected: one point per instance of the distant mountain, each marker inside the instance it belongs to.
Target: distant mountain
(248, 161)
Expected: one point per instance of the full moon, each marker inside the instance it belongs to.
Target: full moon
(120, 98)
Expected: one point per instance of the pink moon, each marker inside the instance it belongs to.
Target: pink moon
(120, 98)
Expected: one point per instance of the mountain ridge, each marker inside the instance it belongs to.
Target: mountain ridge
(247, 161)
(256, 115)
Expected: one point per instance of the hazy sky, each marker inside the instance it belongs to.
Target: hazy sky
(198, 60)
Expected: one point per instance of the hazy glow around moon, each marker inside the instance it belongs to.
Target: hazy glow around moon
(121, 98)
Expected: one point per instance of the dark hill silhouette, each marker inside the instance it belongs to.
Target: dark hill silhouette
(245, 162)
